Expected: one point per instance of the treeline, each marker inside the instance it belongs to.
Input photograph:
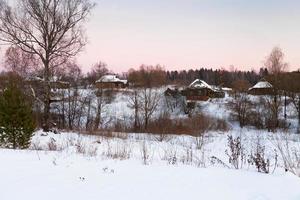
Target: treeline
(218, 77)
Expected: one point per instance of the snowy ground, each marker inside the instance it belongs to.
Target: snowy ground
(138, 166)
(24, 176)
(94, 167)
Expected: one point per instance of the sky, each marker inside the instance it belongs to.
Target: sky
(184, 34)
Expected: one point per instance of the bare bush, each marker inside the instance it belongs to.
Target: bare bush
(170, 155)
(200, 125)
(145, 153)
(162, 127)
(80, 146)
(215, 160)
(258, 158)
(92, 151)
(289, 152)
(52, 146)
(188, 157)
(121, 151)
(235, 153)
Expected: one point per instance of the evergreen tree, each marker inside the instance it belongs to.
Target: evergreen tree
(16, 121)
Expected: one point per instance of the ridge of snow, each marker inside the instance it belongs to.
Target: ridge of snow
(200, 84)
(110, 78)
(262, 84)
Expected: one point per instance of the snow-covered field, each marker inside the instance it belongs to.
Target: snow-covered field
(57, 176)
(96, 167)
(142, 166)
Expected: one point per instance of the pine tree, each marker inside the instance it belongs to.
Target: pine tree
(16, 121)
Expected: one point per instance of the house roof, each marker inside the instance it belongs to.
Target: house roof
(110, 79)
(198, 84)
(261, 84)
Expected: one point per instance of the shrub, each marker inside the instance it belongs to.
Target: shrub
(235, 153)
(289, 152)
(241, 108)
(258, 159)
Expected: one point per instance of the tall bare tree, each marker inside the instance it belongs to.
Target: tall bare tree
(133, 103)
(149, 100)
(275, 61)
(276, 65)
(49, 29)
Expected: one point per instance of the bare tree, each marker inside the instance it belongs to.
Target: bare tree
(149, 100)
(200, 125)
(241, 107)
(276, 67)
(133, 102)
(50, 29)
(274, 106)
(275, 61)
(296, 103)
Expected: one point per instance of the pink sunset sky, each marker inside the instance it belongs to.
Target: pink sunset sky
(183, 34)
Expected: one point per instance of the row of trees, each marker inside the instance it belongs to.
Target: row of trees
(217, 77)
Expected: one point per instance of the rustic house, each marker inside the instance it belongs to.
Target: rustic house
(262, 88)
(111, 82)
(199, 90)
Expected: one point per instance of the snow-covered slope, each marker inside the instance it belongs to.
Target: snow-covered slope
(98, 167)
(49, 175)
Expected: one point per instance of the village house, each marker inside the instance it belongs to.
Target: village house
(263, 87)
(199, 90)
(111, 82)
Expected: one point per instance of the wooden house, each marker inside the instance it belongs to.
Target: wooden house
(111, 82)
(199, 90)
(262, 88)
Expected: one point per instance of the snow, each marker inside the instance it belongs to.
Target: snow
(226, 89)
(101, 167)
(262, 84)
(69, 174)
(200, 84)
(110, 78)
(62, 176)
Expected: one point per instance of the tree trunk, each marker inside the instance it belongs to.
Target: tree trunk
(87, 125)
(98, 114)
(47, 98)
(63, 112)
(299, 110)
(285, 104)
(136, 111)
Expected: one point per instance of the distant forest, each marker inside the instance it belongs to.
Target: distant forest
(218, 77)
